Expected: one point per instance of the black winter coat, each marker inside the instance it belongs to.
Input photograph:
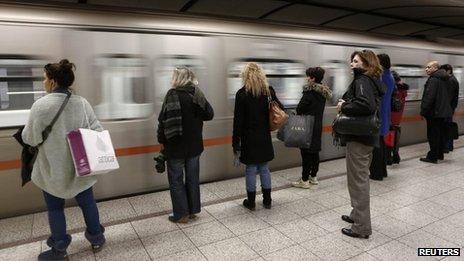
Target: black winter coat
(251, 133)
(436, 102)
(454, 92)
(313, 103)
(190, 144)
(363, 99)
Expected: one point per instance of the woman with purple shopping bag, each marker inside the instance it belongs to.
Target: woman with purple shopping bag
(53, 170)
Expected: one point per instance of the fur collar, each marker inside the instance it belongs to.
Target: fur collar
(317, 87)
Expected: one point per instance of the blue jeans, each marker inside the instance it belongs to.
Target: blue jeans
(264, 175)
(185, 197)
(57, 221)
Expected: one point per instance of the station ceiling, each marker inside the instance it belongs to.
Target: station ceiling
(427, 19)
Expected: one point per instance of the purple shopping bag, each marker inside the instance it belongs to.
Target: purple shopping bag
(76, 144)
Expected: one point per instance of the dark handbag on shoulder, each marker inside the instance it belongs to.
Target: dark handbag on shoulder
(356, 125)
(29, 153)
(297, 131)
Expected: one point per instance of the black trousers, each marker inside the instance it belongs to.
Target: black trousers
(436, 136)
(310, 162)
(378, 168)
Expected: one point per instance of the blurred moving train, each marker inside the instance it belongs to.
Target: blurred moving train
(124, 65)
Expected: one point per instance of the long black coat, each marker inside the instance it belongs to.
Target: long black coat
(313, 103)
(436, 99)
(190, 144)
(251, 133)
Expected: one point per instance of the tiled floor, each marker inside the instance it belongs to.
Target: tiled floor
(418, 205)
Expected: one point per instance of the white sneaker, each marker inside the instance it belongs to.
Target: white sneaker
(313, 181)
(301, 184)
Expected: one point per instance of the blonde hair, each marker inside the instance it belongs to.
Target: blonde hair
(254, 79)
(183, 76)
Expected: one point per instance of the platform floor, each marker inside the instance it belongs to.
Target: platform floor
(418, 205)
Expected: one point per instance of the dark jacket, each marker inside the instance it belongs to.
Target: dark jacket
(251, 133)
(385, 105)
(190, 144)
(362, 99)
(454, 92)
(436, 101)
(313, 103)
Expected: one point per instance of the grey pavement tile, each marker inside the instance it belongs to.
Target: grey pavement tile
(153, 226)
(363, 257)
(420, 238)
(391, 227)
(228, 188)
(377, 188)
(305, 207)
(453, 199)
(456, 219)
(24, 252)
(382, 205)
(375, 240)
(328, 220)
(202, 217)
(229, 249)
(412, 216)
(226, 209)
(283, 196)
(188, 255)
(447, 231)
(397, 251)
(79, 249)
(15, 229)
(266, 240)
(301, 230)
(331, 247)
(425, 190)
(330, 200)
(442, 169)
(243, 224)
(296, 253)
(433, 209)
(151, 203)
(400, 198)
(207, 195)
(337, 166)
(455, 180)
(207, 233)
(167, 244)
(342, 192)
(122, 243)
(276, 215)
(107, 211)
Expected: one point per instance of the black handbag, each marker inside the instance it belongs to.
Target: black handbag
(356, 125)
(29, 153)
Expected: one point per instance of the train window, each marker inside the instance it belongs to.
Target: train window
(415, 77)
(20, 86)
(125, 93)
(166, 66)
(459, 74)
(285, 76)
(337, 77)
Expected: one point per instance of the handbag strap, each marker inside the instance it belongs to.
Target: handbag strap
(48, 129)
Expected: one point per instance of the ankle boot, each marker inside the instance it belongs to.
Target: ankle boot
(250, 201)
(267, 201)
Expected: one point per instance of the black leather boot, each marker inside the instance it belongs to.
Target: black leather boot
(250, 201)
(267, 201)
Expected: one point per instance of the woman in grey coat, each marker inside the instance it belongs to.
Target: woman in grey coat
(53, 170)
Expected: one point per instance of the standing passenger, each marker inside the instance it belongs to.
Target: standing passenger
(180, 128)
(393, 155)
(361, 99)
(378, 168)
(312, 103)
(53, 170)
(251, 138)
(454, 96)
(435, 108)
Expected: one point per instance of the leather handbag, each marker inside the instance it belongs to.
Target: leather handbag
(356, 125)
(277, 116)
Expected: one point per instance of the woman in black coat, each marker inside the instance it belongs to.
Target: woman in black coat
(251, 139)
(312, 103)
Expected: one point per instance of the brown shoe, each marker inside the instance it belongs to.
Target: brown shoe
(182, 220)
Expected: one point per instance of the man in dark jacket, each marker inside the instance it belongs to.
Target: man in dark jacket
(454, 96)
(435, 107)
